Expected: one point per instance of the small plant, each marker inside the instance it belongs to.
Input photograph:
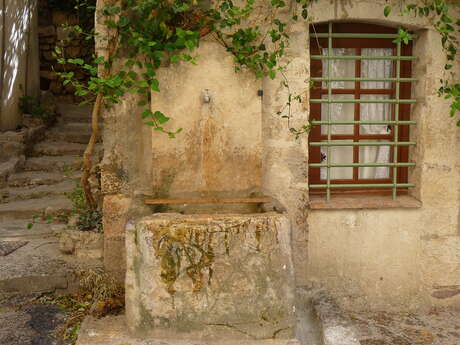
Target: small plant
(88, 219)
(32, 106)
(77, 198)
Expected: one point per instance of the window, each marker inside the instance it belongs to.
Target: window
(360, 105)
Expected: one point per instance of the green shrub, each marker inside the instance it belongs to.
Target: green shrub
(87, 219)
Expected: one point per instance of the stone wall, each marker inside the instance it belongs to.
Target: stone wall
(369, 257)
(52, 32)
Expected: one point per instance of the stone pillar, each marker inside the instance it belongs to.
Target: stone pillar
(115, 209)
(285, 168)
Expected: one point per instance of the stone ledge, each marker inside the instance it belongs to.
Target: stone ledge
(363, 202)
(112, 330)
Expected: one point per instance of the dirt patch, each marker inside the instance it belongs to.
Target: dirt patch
(438, 327)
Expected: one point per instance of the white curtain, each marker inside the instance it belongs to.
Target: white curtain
(369, 112)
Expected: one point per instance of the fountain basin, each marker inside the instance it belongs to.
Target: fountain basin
(211, 276)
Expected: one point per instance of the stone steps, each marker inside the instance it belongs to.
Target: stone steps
(36, 178)
(79, 137)
(60, 148)
(40, 191)
(53, 163)
(27, 209)
(74, 113)
(48, 173)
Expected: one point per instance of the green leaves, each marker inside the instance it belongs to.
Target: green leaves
(440, 12)
(403, 37)
(387, 11)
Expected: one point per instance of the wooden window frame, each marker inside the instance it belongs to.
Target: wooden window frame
(317, 91)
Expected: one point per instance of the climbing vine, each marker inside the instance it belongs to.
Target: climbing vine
(148, 34)
(448, 27)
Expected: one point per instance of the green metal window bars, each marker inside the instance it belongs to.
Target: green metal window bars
(329, 123)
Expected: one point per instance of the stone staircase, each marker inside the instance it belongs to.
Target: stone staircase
(51, 169)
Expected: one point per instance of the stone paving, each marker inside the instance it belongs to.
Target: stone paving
(437, 327)
(25, 323)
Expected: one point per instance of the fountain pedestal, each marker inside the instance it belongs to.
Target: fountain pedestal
(210, 276)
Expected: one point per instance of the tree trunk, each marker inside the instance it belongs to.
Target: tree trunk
(105, 49)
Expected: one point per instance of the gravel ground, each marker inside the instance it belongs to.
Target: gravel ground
(25, 323)
(438, 327)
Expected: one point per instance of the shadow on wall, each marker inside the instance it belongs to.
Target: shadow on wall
(16, 25)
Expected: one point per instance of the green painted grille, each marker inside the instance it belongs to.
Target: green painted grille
(329, 123)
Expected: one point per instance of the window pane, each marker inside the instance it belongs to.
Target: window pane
(374, 154)
(376, 68)
(339, 154)
(340, 68)
(375, 112)
(339, 112)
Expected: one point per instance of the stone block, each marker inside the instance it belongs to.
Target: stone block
(60, 18)
(230, 275)
(83, 244)
(115, 257)
(111, 330)
(65, 34)
(47, 31)
(48, 55)
(73, 52)
(48, 75)
(115, 210)
(56, 86)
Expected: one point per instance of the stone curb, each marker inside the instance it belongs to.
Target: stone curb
(112, 330)
(336, 327)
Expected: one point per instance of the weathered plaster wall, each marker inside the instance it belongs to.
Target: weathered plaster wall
(398, 258)
(219, 151)
(383, 258)
(19, 63)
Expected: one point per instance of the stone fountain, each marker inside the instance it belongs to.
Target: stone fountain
(211, 264)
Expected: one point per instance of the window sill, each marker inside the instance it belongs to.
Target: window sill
(362, 202)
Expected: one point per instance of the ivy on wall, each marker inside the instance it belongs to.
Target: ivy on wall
(447, 25)
(150, 32)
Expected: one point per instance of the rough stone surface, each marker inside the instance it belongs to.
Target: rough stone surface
(27, 209)
(219, 273)
(336, 326)
(392, 259)
(116, 212)
(38, 266)
(23, 322)
(438, 326)
(112, 331)
(212, 156)
(7, 247)
(369, 256)
(83, 244)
